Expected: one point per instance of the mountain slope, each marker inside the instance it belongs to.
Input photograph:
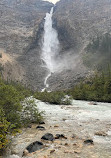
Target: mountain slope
(21, 22)
(78, 22)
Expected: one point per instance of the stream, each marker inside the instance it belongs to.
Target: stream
(78, 122)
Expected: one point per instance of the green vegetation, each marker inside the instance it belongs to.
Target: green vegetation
(18, 110)
(97, 88)
(10, 102)
(30, 112)
(98, 56)
(12, 109)
(98, 52)
(57, 97)
(4, 126)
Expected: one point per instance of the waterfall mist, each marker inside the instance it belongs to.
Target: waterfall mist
(52, 60)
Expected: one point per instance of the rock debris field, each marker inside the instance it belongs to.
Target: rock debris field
(80, 130)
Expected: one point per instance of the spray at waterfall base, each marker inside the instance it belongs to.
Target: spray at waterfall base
(50, 52)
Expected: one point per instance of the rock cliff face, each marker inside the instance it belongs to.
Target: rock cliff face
(77, 23)
(19, 19)
(21, 29)
(21, 24)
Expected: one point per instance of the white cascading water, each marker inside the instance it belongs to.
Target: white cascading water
(50, 47)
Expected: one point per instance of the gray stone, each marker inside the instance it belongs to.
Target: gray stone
(89, 141)
(40, 128)
(35, 146)
(48, 136)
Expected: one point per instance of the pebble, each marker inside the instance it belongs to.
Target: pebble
(89, 141)
(52, 151)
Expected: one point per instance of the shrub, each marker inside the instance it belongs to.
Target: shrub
(10, 102)
(10, 108)
(57, 97)
(30, 112)
(4, 126)
(98, 89)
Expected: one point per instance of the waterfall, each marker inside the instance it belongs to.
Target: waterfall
(50, 47)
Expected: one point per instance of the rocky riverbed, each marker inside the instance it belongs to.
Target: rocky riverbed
(80, 130)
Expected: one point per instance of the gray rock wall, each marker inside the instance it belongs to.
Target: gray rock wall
(79, 20)
(77, 23)
(21, 29)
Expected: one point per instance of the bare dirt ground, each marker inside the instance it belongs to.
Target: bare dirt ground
(12, 70)
(5, 57)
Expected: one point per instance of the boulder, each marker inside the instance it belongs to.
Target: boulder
(40, 128)
(35, 146)
(60, 136)
(48, 136)
(41, 122)
(89, 141)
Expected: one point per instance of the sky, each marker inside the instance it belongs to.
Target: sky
(53, 1)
